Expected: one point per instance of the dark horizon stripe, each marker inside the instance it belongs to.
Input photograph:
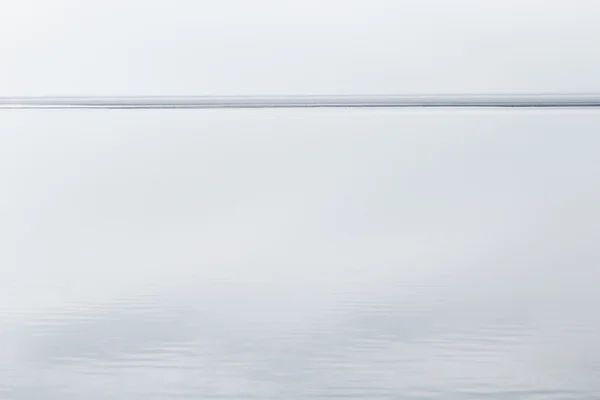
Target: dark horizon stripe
(330, 101)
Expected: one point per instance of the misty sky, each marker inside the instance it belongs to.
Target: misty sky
(191, 47)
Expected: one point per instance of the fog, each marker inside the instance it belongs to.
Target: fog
(368, 253)
(191, 47)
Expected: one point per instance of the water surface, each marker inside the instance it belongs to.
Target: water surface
(301, 254)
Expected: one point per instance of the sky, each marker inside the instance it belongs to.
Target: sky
(228, 47)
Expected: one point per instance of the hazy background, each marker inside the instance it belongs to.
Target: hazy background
(196, 47)
(377, 254)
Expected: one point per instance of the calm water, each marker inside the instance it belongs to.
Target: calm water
(368, 254)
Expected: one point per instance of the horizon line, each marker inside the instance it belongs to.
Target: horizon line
(307, 101)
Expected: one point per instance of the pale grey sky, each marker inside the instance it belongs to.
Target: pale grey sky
(198, 47)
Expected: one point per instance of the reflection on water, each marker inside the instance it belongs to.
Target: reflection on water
(372, 255)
